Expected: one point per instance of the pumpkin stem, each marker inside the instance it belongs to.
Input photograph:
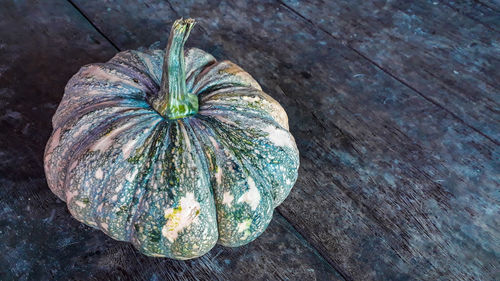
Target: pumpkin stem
(173, 101)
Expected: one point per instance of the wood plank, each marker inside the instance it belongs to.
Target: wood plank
(493, 4)
(391, 186)
(42, 43)
(477, 11)
(448, 58)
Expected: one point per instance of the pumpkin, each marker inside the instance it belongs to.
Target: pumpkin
(170, 150)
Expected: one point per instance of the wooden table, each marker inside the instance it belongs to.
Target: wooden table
(394, 106)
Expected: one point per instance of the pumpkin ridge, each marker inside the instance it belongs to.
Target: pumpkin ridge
(107, 74)
(244, 161)
(101, 90)
(193, 70)
(75, 107)
(262, 219)
(106, 187)
(54, 180)
(196, 123)
(133, 215)
(94, 134)
(134, 73)
(192, 124)
(135, 60)
(245, 100)
(102, 190)
(177, 244)
(225, 109)
(224, 90)
(224, 132)
(80, 113)
(60, 184)
(82, 149)
(212, 78)
(282, 189)
(130, 74)
(219, 87)
(194, 136)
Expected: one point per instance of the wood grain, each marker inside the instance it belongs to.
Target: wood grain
(493, 4)
(477, 11)
(393, 185)
(43, 43)
(446, 57)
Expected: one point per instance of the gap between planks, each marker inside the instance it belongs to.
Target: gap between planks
(296, 232)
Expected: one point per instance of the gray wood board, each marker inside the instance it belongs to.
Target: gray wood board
(392, 184)
(448, 58)
(493, 4)
(477, 11)
(43, 43)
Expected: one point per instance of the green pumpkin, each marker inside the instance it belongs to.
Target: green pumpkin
(171, 150)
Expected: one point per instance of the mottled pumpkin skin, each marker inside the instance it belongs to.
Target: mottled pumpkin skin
(177, 187)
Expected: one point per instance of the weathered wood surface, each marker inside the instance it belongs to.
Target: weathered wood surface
(493, 4)
(395, 184)
(480, 12)
(447, 58)
(392, 185)
(41, 45)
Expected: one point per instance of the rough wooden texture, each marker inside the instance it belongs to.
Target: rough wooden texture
(393, 184)
(493, 4)
(480, 12)
(446, 57)
(43, 43)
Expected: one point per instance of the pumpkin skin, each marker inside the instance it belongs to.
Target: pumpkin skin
(172, 187)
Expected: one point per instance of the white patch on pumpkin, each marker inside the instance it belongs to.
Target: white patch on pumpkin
(70, 195)
(99, 174)
(80, 204)
(104, 226)
(252, 196)
(251, 99)
(244, 225)
(278, 136)
(73, 165)
(107, 140)
(227, 198)
(119, 187)
(109, 76)
(225, 120)
(81, 130)
(178, 220)
(186, 138)
(245, 235)
(214, 143)
(130, 176)
(93, 92)
(128, 147)
(218, 175)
